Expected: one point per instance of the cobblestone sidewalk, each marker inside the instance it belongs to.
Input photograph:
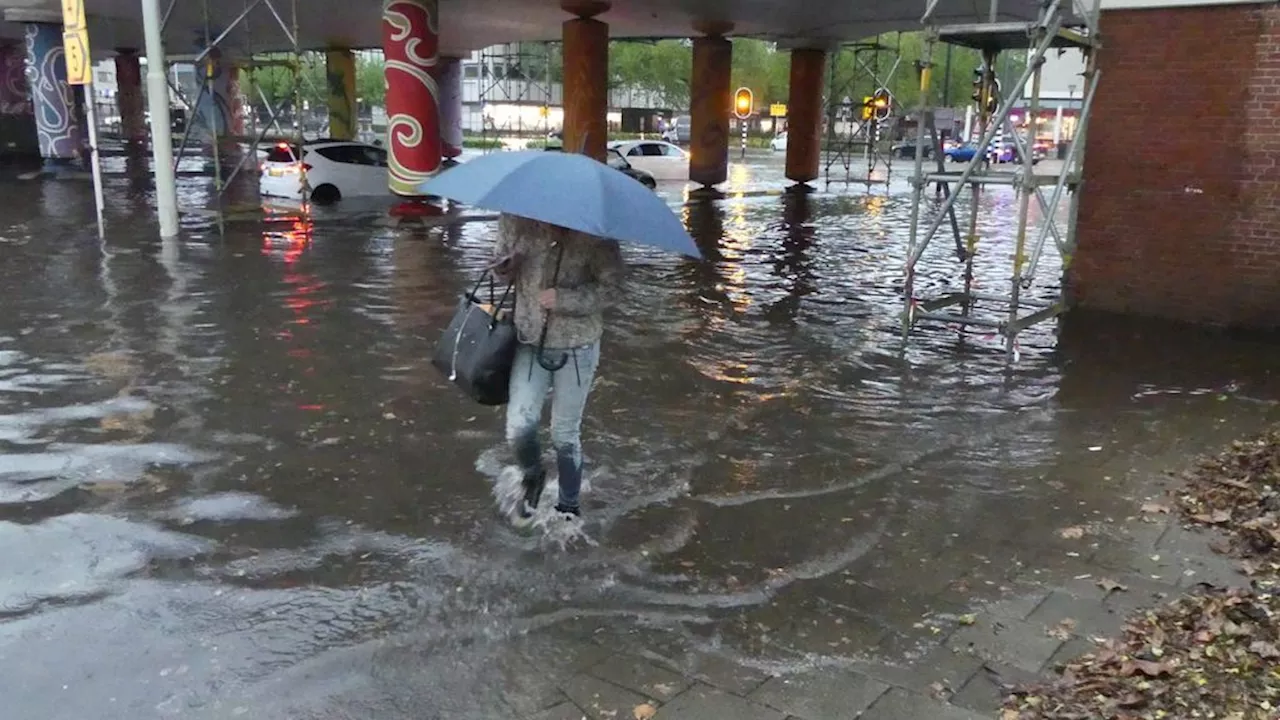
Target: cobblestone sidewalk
(958, 674)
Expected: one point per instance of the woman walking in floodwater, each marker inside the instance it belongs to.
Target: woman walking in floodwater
(564, 280)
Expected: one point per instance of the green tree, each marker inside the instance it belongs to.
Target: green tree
(275, 78)
(662, 68)
(763, 68)
(371, 80)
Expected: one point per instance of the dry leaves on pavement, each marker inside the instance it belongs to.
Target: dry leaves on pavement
(1238, 493)
(1206, 655)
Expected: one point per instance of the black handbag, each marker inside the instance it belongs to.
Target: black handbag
(478, 348)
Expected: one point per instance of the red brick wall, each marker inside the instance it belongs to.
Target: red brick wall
(1180, 208)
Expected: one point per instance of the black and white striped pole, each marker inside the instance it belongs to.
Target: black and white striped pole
(743, 103)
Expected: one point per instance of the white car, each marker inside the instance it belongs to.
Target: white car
(779, 141)
(335, 169)
(659, 158)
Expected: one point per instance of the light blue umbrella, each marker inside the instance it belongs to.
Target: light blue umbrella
(569, 190)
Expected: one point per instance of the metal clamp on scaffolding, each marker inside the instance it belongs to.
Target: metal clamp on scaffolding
(1049, 31)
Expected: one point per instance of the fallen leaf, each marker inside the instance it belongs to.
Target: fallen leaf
(939, 691)
(968, 619)
(1072, 533)
(1155, 508)
(1265, 650)
(1063, 630)
(644, 712)
(1109, 585)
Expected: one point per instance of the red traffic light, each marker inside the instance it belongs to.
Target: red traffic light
(743, 102)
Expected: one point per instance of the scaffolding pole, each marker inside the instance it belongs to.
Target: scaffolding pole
(161, 127)
(517, 74)
(287, 24)
(1050, 30)
(849, 132)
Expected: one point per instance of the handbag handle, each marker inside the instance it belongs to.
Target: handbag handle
(506, 293)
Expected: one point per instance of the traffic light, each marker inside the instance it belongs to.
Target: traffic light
(743, 102)
(881, 104)
(986, 90)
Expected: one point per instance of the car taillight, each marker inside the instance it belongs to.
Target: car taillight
(306, 167)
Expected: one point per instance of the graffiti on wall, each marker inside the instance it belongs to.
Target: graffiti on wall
(58, 106)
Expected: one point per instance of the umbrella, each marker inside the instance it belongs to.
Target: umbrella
(569, 190)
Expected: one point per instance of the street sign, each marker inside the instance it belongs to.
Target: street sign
(75, 42)
(778, 110)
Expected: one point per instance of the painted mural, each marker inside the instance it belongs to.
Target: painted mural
(218, 111)
(58, 106)
(340, 79)
(410, 41)
(15, 99)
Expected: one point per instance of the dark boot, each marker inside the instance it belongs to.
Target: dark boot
(534, 482)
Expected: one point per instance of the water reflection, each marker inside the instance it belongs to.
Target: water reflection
(236, 440)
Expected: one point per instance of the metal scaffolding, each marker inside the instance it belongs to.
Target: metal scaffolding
(283, 25)
(851, 137)
(1056, 26)
(520, 75)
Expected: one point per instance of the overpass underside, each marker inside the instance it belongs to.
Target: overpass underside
(423, 40)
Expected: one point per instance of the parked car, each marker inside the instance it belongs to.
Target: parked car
(661, 159)
(907, 150)
(680, 131)
(779, 142)
(335, 169)
(617, 162)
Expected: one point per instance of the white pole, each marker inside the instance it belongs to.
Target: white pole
(1057, 127)
(968, 123)
(161, 125)
(91, 117)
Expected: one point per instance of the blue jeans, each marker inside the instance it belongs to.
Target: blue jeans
(570, 385)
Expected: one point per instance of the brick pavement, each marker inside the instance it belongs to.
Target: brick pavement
(958, 673)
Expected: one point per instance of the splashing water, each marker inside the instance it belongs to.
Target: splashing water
(558, 530)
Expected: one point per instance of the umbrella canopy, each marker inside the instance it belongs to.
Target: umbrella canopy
(568, 190)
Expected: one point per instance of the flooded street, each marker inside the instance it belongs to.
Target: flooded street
(232, 485)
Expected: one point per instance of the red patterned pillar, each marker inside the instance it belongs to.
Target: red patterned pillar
(129, 98)
(410, 41)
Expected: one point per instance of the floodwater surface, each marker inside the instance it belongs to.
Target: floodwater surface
(231, 484)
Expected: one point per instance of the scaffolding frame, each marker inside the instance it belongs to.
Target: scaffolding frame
(292, 61)
(842, 147)
(1047, 32)
(497, 85)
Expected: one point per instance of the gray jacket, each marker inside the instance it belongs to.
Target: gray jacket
(589, 280)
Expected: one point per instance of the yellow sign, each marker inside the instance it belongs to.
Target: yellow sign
(75, 41)
(778, 110)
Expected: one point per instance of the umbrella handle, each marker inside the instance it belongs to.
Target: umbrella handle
(546, 323)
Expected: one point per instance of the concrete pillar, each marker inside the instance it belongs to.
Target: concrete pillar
(411, 44)
(59, 107)
(804, 114)
(340, 82)
(449, 77)
(129, 97)
(710, 102)
(586, 79)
